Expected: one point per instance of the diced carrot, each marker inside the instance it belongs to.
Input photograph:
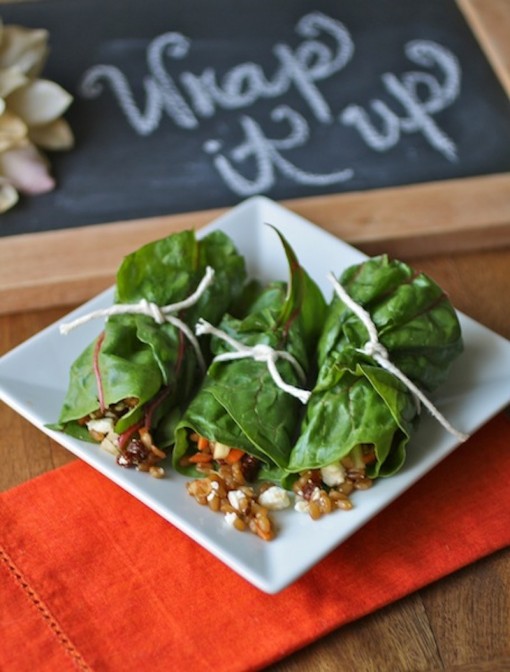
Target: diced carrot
(199, 458)
(234, 455)
(203, 443)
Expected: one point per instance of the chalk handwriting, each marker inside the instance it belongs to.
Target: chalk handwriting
(187, 98)
(267, 156)
(419, 112)
(242, 86)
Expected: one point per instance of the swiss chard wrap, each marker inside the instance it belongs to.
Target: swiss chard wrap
(139, 371)
(240, 415)
(360, 416)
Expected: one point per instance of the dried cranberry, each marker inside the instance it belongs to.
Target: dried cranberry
(308, 489)
(250, 467)
(134, 454)
(313, 481)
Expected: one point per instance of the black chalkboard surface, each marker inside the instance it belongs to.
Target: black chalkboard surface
(197, 105)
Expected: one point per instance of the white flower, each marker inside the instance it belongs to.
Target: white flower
(31, 110)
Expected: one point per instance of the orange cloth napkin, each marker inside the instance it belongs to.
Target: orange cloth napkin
(91, 579)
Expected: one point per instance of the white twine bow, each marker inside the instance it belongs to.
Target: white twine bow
(160, 314)
(373, 348)
(260, 353)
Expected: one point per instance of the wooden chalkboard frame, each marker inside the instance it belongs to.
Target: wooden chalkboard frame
(67, 267)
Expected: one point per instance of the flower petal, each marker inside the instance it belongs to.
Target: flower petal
(13, 131)
(39, 102)
(24, 48)
(27, 170)
(8, 195)
(56, 135)
(10, 80)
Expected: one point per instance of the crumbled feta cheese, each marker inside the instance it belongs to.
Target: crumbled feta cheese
(333, 474)
(316, 494)
(301, 505)
(101, 425)
(237, 499)
(230, 518)
(220, 450)
(110, 443)
(274, 498)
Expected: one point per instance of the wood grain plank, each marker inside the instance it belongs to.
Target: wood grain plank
(490, 22)
(417, 220)
(472, 608)
(471, 279)
(403, 628)
(493, 665)
(28, 452)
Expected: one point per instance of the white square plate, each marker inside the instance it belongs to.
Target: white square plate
(34, 376)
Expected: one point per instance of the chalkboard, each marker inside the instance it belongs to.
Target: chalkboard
(199, 104)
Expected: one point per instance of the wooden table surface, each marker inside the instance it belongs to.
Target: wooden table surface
(459, 623)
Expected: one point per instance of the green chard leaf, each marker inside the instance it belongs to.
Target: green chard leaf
(304, 300)
(138, 357)
(354, 401)
(239, 404)
(357, 404)
(414, 318)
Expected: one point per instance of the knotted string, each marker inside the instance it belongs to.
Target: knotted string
(259, 353)
(374, 349)
(160, 314)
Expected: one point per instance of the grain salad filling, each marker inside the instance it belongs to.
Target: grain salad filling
(132, 448)
(229, 486)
